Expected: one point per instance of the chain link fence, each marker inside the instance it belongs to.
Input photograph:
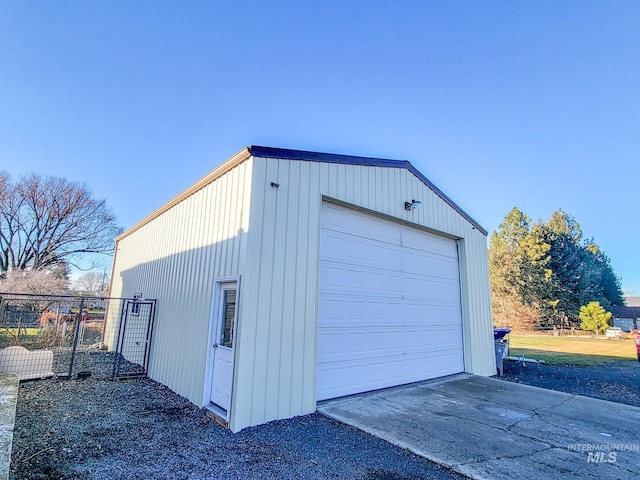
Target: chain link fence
(72, 337)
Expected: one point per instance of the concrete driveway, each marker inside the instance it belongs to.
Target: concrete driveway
(489, 429)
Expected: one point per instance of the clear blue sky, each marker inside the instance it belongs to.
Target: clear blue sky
(500, 104)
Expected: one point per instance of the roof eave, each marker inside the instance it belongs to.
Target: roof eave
(271, 152)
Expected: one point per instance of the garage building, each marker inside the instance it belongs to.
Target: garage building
(286, 277)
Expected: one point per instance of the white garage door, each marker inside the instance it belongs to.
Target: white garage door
(389, 304)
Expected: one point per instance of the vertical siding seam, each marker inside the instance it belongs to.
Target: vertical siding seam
(294, 295)
(270, 307)
(234, 225)
(264, 302)
(317, 205)
(259, 282)
(284, 277)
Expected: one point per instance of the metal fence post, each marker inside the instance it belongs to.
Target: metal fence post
(121, 331)
(75, 337)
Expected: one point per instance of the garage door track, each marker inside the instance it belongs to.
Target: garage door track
(487, 428)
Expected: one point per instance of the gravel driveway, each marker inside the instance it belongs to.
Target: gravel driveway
(139, 429)
(616, 382)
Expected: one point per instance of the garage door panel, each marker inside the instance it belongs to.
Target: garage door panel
(333, 276)
(416, 239)
(389, 316)
(357, 224)
(383, 373)
(334, 245)
(399, 337)
(341, 310)
(333, 310)
(430, 291)
(335, 346)
(429, 288)
(369, 310)
(340, 344)
(433, 315)
(354, 280)
(435, 265)
(374, 253)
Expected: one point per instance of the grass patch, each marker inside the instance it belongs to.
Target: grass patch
(571, 350)
(30, 331)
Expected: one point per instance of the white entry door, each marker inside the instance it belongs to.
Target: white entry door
(222, 354)
(389, 304)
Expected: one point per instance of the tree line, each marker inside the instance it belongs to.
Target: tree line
(541, 273)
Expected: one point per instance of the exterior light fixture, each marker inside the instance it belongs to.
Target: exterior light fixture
(413, 204)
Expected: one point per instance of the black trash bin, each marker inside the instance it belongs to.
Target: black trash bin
(501, 345)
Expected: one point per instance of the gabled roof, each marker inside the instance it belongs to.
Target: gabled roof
(625, 312)
(270, 152)
(632, 301)
(287, 154)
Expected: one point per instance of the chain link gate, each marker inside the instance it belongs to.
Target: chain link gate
(134, 338)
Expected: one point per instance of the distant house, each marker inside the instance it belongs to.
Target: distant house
(625, 317)
(631, 301)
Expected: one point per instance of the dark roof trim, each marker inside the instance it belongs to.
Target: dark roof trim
(270, 152)
(625, 312)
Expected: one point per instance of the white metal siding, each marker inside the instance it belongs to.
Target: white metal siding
(175, 258)
(276, 362)
(389, 304)
(276, 330)
(239, 225)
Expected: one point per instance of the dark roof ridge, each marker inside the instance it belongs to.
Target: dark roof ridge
(285, 153)
(623, 310)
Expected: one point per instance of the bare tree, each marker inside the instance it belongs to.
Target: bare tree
(48, 221)
(47, 281)
(92, 283)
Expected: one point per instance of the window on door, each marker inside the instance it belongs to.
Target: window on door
(135, 306)
(229, 312)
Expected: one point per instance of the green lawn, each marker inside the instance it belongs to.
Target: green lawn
(23, 331)
(571, 350)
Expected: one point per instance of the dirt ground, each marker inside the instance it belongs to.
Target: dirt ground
(616, 381)
(139, 429)
(135, 429)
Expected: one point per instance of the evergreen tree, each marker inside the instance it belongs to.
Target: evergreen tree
(563, 234)
(517, 269)
(601, 281)
(543, 273)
